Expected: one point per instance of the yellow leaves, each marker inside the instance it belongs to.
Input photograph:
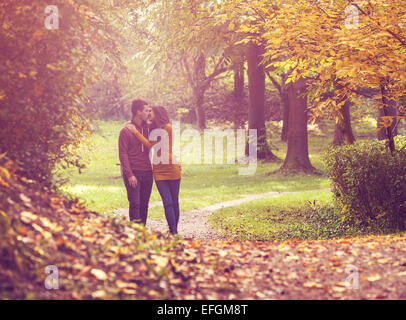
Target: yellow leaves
(152, 237)
(386, 122)
(32, 73)
(154, 293)
(37, 35)
(6, 25)
(195, 244)
(245, 28)
(222, 253)
(129, 288)
(231, 26)
(312, 285)
(50, 225)
(56, 203)
(23, 231)
(99, 294)
(46, 234)
(341, 286)
(28, 217)
(2, 95)
(3, 155)
(400, 274)
(160, 261)
(52, 67)
(384, 260)
(361, 57)
(26, 200)
(99, 274)
(372, 277)
(260, 295)
(4, 176)
(334, 259)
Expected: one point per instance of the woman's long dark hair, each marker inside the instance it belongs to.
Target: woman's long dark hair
(161, 117)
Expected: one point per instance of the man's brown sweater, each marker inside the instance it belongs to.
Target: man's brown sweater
(132, 153)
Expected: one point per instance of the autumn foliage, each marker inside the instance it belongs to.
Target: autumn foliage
(103, 258)
(97, 257)
(352, 49)
(43, 74)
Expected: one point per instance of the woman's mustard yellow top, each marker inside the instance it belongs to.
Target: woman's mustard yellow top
(162, 171)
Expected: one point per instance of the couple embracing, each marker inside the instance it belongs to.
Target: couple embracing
(137, 171)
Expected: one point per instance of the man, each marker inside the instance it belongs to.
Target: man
(135, 164)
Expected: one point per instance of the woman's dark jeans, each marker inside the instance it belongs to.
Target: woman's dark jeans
(169, 191)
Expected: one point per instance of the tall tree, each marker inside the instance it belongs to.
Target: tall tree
(358, 44)
(188, 34)
(281, 87)
(200, 82)
(256, 86)
(238, 92)
(297, 157)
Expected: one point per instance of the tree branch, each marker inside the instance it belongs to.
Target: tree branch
(185, 65)
(274, 82)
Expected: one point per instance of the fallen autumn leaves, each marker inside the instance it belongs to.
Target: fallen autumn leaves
(102, 258)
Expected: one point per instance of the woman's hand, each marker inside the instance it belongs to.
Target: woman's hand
(131, 127)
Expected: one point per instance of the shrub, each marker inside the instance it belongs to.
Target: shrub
(42, 77)
(369, 184)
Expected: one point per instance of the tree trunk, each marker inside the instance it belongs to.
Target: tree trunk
(199, 107)
(297, 157)
(343, 133)
(238, 94)
(199, 90)
(256, 111)
(284, 103)
(285, 115)
(389, 109)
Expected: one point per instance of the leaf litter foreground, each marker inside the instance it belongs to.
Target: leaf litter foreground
(103, 258)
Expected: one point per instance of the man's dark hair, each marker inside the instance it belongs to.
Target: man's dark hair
(137, 105)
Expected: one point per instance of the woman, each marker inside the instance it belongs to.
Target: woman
(167, 176)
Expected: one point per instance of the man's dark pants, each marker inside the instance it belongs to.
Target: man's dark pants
(138, 196)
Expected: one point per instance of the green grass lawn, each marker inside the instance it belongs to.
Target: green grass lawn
(281, 218)
(101, 187)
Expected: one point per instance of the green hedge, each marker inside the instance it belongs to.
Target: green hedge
(369, 184)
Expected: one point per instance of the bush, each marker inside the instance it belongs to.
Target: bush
(42, 79)
(369, 184)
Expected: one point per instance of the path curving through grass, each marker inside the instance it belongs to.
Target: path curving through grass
(194, 224)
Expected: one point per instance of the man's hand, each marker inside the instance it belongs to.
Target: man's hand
(132, 181)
